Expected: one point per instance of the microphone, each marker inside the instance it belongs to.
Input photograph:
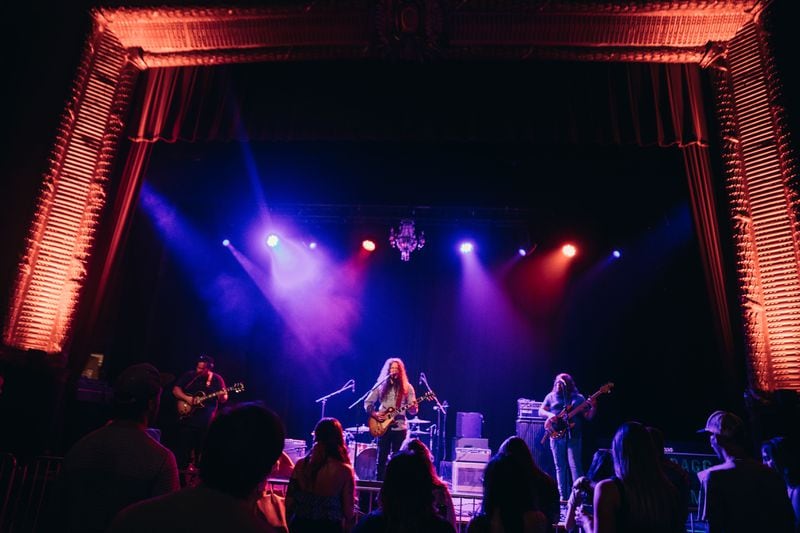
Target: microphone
(352, 385)
(422, 378)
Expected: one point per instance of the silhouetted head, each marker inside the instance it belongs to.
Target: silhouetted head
(407, 492)
(242, 445)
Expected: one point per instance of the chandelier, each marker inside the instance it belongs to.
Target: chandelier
(405, 239)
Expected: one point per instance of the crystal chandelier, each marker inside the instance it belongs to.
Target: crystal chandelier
(405, 239)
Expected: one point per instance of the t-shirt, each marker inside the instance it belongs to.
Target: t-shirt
(109, 469)
(744, 495)
(192, 383)
(555, 403)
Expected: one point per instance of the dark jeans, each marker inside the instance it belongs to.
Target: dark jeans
(390, 442)
(189, 444)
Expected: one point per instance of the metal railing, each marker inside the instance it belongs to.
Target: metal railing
(26, 491)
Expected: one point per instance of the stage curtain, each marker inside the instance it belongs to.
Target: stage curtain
(645, 104)
(605, 103)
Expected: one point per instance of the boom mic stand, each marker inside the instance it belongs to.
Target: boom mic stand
(349, 385)
(364, 396)
(440, 449)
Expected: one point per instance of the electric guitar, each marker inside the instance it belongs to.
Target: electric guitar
(377, 429)
(186, 409)
(557, 426)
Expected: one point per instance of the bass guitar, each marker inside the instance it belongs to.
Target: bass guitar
(377, 429)
(557, 426)
(186, 409)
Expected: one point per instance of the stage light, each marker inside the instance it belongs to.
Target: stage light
(466, 247)
(522, 252)
(226, 242)
(368, 245)
(569, 250)
(312, 245)
(272, 240)
(617, 254)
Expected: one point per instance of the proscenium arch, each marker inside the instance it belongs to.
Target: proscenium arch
(730, 38)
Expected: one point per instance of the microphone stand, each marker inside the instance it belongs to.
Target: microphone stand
(364, 396)
(324, 399)
(441, 426)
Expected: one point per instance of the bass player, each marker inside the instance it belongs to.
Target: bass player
(202, 381)
(391, 390)
(566, 449)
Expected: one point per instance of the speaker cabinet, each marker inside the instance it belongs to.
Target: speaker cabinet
(468, 477)
(469, 425)
(531, 430)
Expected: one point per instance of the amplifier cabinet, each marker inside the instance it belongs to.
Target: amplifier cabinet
(468, 477)
(531, 430)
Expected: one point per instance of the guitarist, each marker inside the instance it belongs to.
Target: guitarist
(192, 428)
(566, 449)
(391, 390)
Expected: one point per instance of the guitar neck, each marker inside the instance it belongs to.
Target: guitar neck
(582, 407)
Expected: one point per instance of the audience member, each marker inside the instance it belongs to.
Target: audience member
(406, 500)
(639, 497)
(582, 496)
(782, 454)
(507, 503)
(674, 472)
(321, 492)
(118, 464)
(242, 445)
(545, 496)
(442, 499)
(740, 494)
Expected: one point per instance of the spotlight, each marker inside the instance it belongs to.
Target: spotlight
(312, 245)
(617, 254)
(272, 240)
(226, 242)
(466, 247)
(368, 245)
(569, 250)
(522, 252)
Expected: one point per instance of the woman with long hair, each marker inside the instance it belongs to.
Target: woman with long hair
(507, 503)
(442, 499)
(391, 391)
(639, 497)
(544, 489)
(406, 500)
(321, 492)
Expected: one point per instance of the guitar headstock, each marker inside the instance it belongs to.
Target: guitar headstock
(605, 389)
(428, 396)
(237, 387)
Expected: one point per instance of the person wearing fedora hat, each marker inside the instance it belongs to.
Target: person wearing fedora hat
(740, 494)
(120, 463)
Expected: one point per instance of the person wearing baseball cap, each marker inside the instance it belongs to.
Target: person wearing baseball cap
(740, 494)
(120, 463)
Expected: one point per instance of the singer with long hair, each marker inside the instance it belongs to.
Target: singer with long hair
(391, 390)
(566, 449)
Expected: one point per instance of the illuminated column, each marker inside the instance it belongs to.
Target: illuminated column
(760, 168)
(53, 268)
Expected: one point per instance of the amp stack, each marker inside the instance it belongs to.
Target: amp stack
(530, 428)
(471, 452)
